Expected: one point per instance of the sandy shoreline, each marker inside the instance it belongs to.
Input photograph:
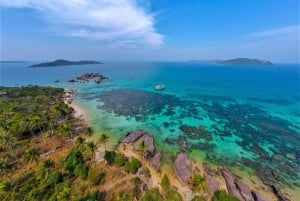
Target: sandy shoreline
(79, 112)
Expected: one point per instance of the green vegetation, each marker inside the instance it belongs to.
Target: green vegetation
(81, 171)
(199, 184)
(73, 159)
(103, 140)
(114, 158)
(110, 157)
(173, 195)
(221, 195)
(152, 194)
(199, 198)
(165, 183)
(169, 192)
(132, 166)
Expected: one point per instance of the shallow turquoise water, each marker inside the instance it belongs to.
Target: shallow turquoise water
(250, 115)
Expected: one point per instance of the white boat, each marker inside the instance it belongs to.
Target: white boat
(159, 87)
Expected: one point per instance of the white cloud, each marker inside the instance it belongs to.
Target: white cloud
(278, 32)
(104, 20)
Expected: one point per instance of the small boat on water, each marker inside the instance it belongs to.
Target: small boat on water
(159, 87)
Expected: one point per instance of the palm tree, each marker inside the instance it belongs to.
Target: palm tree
(5, 142)
(9, 188)
(64, 195)
(91, 150)
(79, 143)
(89, 132)
(31, 155)
(46, 168)
(199, 184)
(4, 169)
(103, 140)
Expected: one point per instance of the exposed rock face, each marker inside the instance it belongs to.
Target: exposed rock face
(230, 184)
(133, 136)
(149, 143)
(183, 168)
(245, 191)
(156, 161)
(279, 194)
(213, 186)
(258, 197)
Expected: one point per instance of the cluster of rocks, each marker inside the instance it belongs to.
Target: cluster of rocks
(184, 170)
(239, 189)
(137, 138)
(68, 95)
(86, 77)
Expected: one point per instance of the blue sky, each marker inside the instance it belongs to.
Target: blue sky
(150, 30)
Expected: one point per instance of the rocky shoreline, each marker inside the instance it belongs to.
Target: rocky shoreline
(184, 169)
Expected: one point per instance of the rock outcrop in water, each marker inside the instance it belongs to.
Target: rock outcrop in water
(183, 168)
(86, 77)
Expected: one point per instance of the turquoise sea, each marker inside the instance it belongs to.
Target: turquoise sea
(228, 114)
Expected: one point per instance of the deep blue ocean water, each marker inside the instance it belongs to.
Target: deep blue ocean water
(227, 114)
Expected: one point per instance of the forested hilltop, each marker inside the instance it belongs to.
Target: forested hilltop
(48, 154)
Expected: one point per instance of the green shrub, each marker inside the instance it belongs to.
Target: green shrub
(152, 195)
(132, 166)
(136, 181)
(221, 195)
(165, 183)
(199, 198)
(73, 159)
(95, 177)
(110, 156)
(120, 160)
(146, 172)
(94, 196)
(173, 195)
(81, 171)
(54, 177)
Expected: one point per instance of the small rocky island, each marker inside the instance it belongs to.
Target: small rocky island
(62, 62)
(97, 77)
(245, 62)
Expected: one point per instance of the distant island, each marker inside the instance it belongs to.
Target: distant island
(62, 62)
(245, 62)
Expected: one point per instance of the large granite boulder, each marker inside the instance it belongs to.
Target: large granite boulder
(278, 193)
(213, 186)
(183, 168)
(148, 142)
(245, 191)
(133, 136)
(156, 161)
(258, 197)
(230, 184)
